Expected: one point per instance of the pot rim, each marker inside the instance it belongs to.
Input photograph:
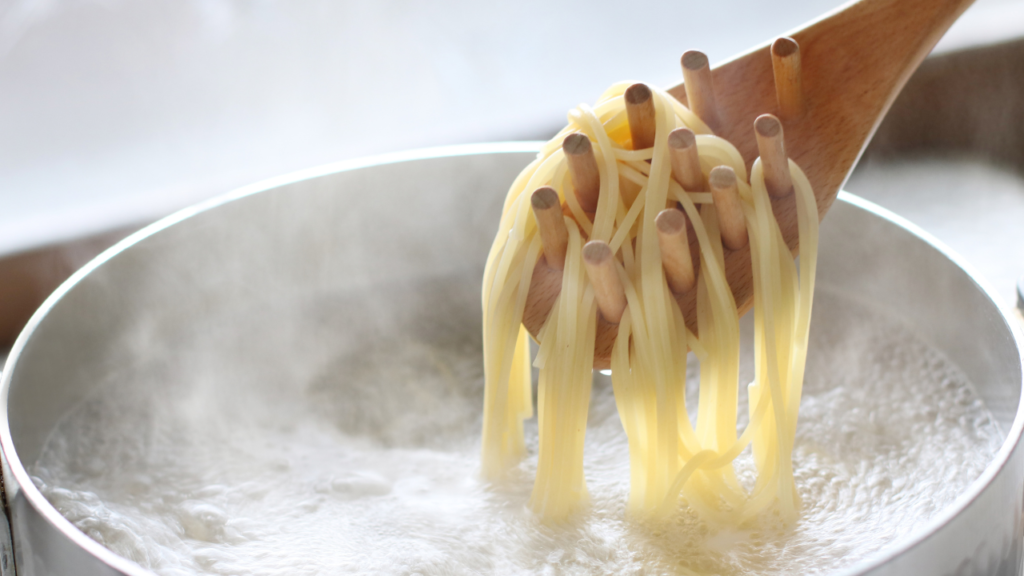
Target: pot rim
(35, 498)
(917, 537)
(14, 465)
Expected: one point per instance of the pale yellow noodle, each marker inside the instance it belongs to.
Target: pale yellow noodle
(669, 456)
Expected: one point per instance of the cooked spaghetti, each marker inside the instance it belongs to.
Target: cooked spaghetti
(670, 456)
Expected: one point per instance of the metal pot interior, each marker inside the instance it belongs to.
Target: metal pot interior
(316, 272)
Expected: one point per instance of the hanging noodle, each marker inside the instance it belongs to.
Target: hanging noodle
(670, 457)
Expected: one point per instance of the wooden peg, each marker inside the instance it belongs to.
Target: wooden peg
(675, 250)
(682, 148)
(788, 88)
(640, 110)
(726, 196)
(586, 180)
(772, 149)
(553, 235)
(700, 91)
(600, 264)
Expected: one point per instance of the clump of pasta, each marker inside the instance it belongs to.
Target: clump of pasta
(671, 457)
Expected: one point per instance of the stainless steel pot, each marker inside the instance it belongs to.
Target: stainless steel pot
(424, 221)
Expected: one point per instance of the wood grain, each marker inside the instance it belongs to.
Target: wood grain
(853, 61)
(640, 110)
(586, 180)
(675, 250)
(771, 146)
(788, 84)
(554, 237)
(682, 149)
(599, 261)
(700, 87)
(726, 196)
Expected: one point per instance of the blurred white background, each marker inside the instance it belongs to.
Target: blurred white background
(119, 111)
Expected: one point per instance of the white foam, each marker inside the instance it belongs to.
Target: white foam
(225, 479)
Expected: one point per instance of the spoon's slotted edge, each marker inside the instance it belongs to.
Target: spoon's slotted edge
(854, 62)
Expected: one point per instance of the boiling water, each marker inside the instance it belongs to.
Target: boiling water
(367, 462)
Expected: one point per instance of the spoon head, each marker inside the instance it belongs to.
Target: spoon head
(851, 65)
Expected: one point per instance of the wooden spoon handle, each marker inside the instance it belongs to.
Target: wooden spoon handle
(835, 78)
(853, 63)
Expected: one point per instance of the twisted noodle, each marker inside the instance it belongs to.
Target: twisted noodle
(670, 456)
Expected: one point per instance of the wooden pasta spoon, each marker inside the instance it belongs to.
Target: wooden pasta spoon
(826, 86)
